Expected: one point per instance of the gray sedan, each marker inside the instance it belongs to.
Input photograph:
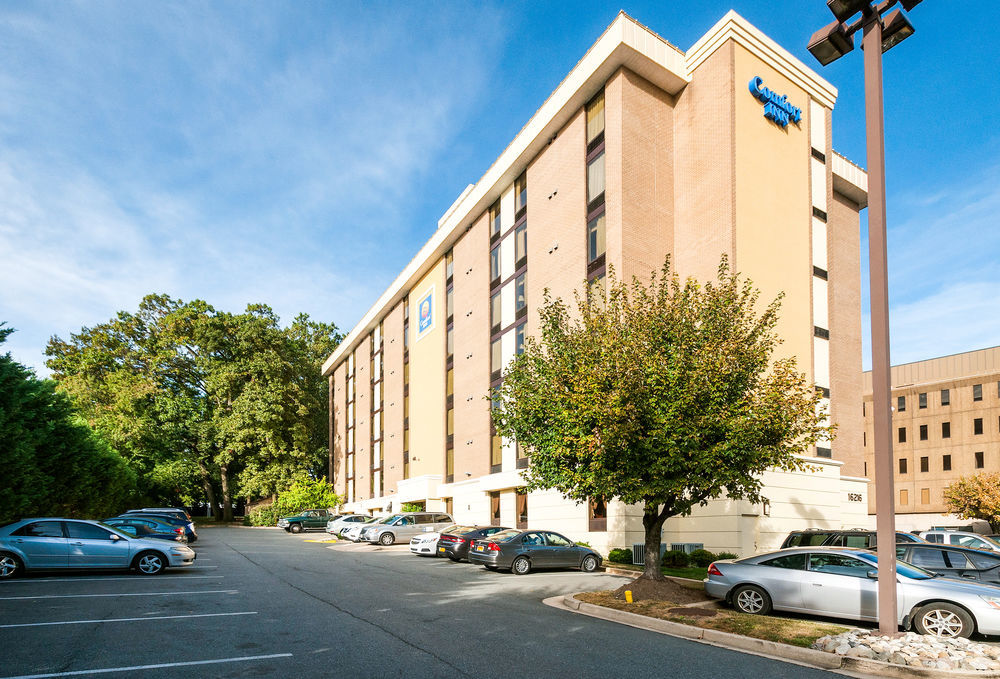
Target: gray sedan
(42, 544)
(524, 550)
(842, 583)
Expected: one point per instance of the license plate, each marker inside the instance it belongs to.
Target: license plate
(441, 549)
(479, 548)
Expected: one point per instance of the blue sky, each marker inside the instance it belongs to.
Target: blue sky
(300, 153)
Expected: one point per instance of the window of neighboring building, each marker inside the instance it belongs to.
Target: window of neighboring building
(900, 404)
(902, 434)
(922, 400)
(450, 303)
(595, 120)
(902, 465)
(925, 496)
(904, 496)
(450, 339)
(496, 454)
(495, 219)
(945, 397)
(522, 509)
(496, 358)
(946, 430)
(495, 508)
(946, 463)
(979, 460)
(495, 263)
(495, 313)
(977, 425)
(520, 245)
(520, 194)
(925, 464)
(923, 432)
(598, 514)
(595, 178)
(596, 238)
(977, 392)
(519, 339)
(520, 297)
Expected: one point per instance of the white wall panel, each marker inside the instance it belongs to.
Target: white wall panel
(817, 125)
(821, 315)
(819, 243)
(821, 369)
(507, 208)
(507, 257)
(507, 301)
(818, 184)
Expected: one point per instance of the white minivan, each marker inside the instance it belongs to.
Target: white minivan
(960, 538)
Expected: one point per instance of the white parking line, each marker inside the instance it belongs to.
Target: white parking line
(99, 579)
(134, 668)
(159, 617)
(91, 596)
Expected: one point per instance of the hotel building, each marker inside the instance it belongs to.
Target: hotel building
(945, 426)
(643, 151)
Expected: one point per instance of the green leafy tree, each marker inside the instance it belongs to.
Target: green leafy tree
(666, 395)
(53, 463)
(976, 497)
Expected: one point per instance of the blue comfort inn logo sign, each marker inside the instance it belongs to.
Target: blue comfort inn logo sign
(425, 313)
(776, 107)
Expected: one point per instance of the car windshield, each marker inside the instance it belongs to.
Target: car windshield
(458, 530)
(903, 568)
(115, 529)
(504, 535)
(389, 519)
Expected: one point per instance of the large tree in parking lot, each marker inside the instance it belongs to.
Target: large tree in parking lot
(667, 395)
(976, 497)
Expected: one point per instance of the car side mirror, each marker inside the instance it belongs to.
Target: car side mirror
(115, 538)
(872, 575)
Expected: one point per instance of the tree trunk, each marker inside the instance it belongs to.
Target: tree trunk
(227, 499)
(652, 522)
(206, 483)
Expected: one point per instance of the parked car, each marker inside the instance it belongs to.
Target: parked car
(454, 542)
(353, 531)
(952, 561)
(425, 544)
(522, 551)
(960, 538)
(180, 511)
(172, 518)
(336, 524)
(56, 543)
(148, 528)
(840, 582)
(404, 526)
(307, 518)
(858, 538)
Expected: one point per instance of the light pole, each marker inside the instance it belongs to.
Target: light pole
(880, 32)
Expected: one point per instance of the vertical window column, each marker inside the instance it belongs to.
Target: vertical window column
(351, 484)
(449, 454)
(406, 387)
(596, 181)
(820, 278)
(377, 482)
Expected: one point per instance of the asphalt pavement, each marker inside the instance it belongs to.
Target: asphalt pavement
(264, 603)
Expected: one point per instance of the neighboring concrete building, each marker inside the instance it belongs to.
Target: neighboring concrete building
(642, 151)
(945, 425)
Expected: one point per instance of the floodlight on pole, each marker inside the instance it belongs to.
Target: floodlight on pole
(828, 45)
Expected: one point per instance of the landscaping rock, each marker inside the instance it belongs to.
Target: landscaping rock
(913, 650)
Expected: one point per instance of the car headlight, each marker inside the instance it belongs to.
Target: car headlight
(993, 601)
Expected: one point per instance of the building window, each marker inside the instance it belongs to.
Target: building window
(520, 194)
(496, 316)
(521, 245)
(520, 297)
(495, 220)
(925, 496)
(522, 509)
(900, 404)
(495, 265)
(946, 463)
(598, 514)
(923, 432)
(904, 497)
(902, 465)
(495, 508)
(595, 121)
(496, 453)
(519, 340)
(946, 430)
(595, 181)
(496, 359)
(977, 392)
(823, 452)
(945, 397)
(922, 400)
(902, 434)
(979, 460)
(977, 425)
(596, 238)
(522, 459)
(924, 464)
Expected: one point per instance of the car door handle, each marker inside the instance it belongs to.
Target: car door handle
(817, 584)
(76, 543)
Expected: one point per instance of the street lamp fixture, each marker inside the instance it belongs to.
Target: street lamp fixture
(881, 31)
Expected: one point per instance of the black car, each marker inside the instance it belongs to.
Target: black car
(953, 561)
(856, 538)
(455, 543)
(172, 519)
(139, 530)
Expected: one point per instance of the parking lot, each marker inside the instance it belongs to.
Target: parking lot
(263, 603)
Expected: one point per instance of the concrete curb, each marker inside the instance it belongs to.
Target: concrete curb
(634, 574)
(773, 649)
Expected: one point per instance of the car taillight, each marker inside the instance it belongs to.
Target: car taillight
(713, 570)
(179, 531)
(493, 547)
(459, 539)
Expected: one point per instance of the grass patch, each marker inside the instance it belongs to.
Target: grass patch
(692, 572)
(794, 631)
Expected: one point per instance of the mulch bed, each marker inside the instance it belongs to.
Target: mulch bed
(661, 590)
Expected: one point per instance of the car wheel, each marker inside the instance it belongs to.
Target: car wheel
(295, 528)
(149, 563)
(751, 599)
(589, 564)
(521, 566)
(10, 566)
(943, 620)
(386, 539)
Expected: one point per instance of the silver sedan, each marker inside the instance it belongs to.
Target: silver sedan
(842, 583)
